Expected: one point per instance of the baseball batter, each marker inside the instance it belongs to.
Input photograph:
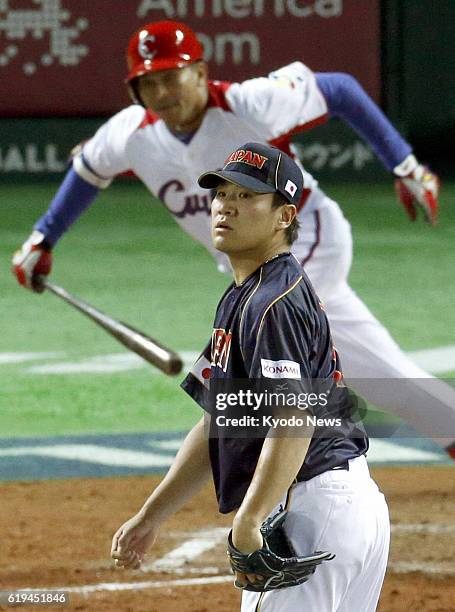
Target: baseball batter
(182, 123)
(269, 325)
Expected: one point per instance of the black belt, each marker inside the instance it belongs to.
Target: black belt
(342, 466)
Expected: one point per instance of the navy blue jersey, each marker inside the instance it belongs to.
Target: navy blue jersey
(272, 326)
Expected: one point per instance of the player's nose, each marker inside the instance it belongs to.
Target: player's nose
(226, 206)
(160, 92)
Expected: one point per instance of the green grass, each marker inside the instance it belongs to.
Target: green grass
(403, 270)
(114, 403)
(128, 257)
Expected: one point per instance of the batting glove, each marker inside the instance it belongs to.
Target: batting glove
(417, 186)
(31, 261)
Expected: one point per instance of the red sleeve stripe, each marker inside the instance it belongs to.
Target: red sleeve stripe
(282, 142)
(304, 197)
(217, 95)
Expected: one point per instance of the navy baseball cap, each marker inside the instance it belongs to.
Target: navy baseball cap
(261, 168)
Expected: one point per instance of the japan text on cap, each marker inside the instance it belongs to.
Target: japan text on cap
(261, 168)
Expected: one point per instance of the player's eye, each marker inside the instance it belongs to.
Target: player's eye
(220, 193)
(170, 79)
(244, 195)
(147, 85)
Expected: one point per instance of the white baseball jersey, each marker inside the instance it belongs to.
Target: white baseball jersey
(271, 110)
(258, 110)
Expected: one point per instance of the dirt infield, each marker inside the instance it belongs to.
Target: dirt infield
(58, 533)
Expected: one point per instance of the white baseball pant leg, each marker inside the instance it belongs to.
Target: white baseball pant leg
(366, 348)
(342, 512)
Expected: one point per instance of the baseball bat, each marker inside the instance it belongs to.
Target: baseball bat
(148, 348)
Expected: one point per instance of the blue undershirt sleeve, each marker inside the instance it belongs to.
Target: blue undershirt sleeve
(347, 99)
(73, 197)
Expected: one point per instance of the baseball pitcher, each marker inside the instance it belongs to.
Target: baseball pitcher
(311, 529)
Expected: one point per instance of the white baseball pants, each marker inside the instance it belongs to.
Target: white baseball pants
(366, 349)
(342, 512)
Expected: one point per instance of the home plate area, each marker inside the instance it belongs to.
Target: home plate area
(57, 530)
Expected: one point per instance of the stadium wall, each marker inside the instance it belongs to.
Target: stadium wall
(64, 66)
(418, 74)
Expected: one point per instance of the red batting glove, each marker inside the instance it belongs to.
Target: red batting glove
(32, 260)
(418, 188)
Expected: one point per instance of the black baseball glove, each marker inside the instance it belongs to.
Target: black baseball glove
(276, 561)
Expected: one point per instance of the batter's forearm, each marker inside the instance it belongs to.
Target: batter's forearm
(73, 197)
(189, 472)
(347, 99)
(279, 463)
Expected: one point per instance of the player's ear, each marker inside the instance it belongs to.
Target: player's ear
(288, 213)
(202, 73)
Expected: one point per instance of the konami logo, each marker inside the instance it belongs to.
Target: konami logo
(280, 369)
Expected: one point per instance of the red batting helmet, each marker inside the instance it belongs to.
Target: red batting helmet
(162, 45)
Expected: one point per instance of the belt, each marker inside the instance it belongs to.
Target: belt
(343, 466)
